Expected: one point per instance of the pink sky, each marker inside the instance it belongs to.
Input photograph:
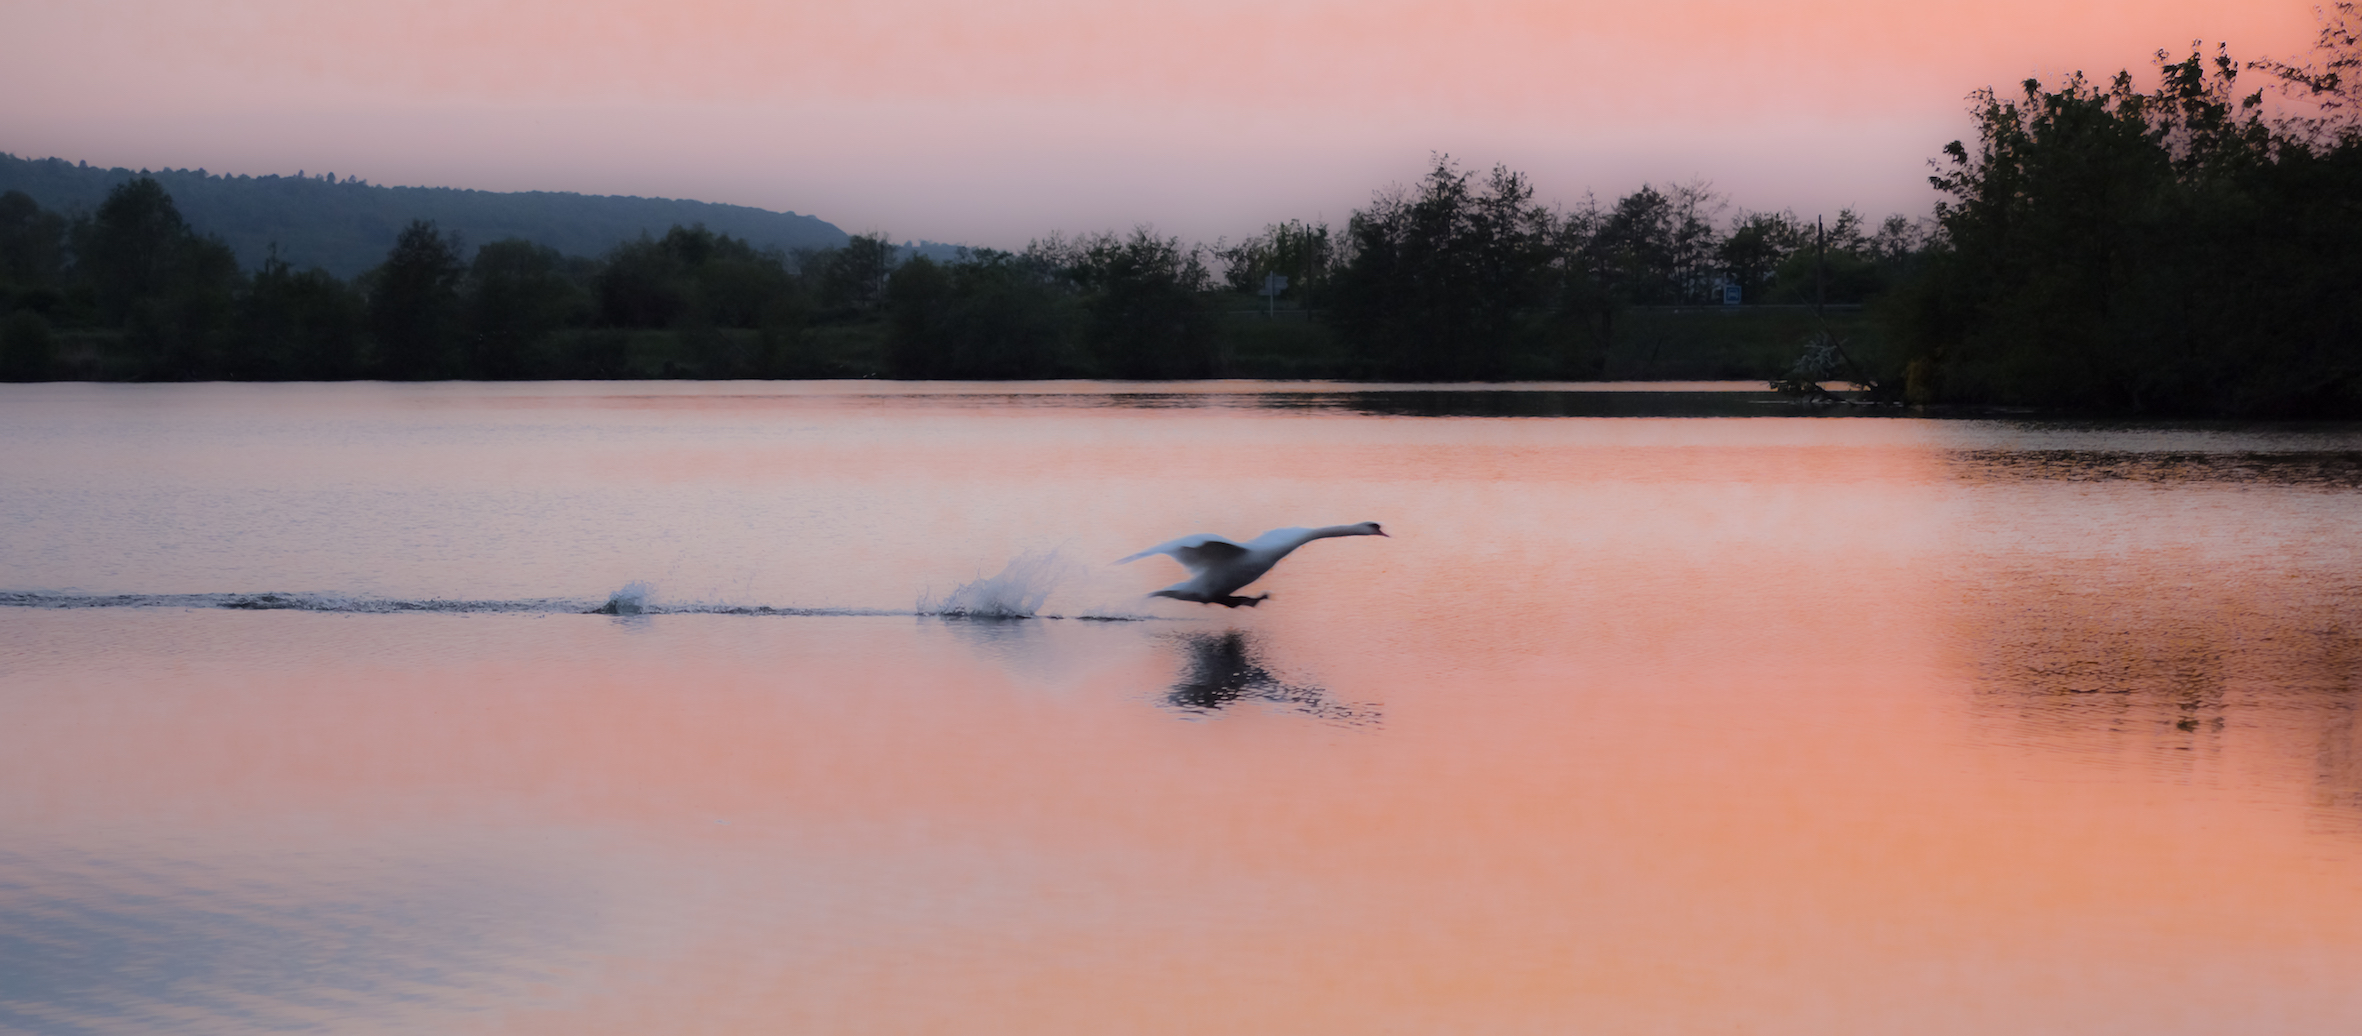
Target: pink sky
(992, 123)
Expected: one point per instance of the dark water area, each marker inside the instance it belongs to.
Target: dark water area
(1499, 402)
(2326, 469)
(1558, 399)
(743, 707)
(1571, 403)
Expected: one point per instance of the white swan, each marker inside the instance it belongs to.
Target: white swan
(1218, 567)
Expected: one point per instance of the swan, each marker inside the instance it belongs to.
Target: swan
(1218, 567)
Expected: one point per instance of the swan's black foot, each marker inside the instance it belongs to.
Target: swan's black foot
(1240, 602)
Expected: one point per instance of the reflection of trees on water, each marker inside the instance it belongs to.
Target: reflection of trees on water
(1542, 403)
(2337, 769)
(2175, 664)
(1222, 669)
(2333, 469)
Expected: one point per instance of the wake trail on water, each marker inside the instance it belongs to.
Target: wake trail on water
(1018, 591)
(350, 605)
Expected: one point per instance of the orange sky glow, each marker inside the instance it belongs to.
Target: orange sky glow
(993, 123)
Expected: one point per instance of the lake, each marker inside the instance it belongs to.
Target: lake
(1667, 710)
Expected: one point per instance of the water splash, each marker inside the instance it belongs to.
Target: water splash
(1017, 592)
(633, 599)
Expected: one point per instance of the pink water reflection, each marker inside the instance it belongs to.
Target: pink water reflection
(1684, 727)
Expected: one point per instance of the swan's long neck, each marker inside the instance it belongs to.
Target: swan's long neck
(1326, 531)
(1276, 546)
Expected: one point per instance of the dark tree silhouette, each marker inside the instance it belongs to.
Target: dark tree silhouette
(854, 276)
(518, 297)
(32, 248)
(129, 248)
(992, 315)
(2167, 251)
(169, 289)
(292, 324)
(414, 304)
(1439, 274)
(1144, 311)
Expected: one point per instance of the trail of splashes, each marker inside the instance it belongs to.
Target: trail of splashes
(1017, 592)
(619, 603)
(300, 602)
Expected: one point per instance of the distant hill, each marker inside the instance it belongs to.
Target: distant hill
(347, 225)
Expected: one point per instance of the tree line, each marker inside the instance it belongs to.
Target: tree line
(345, 223)
(176, 306)
(2188, 249)
(1460, 276)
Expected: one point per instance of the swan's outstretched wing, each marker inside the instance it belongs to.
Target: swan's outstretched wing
(1194, 552)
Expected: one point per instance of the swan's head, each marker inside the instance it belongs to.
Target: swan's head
(1369, 529)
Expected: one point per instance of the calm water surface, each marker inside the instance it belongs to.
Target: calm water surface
(1692, 724)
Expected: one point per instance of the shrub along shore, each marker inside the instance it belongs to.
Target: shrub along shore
(2190, 249)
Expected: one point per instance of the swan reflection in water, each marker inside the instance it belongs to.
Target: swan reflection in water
(1222, 669)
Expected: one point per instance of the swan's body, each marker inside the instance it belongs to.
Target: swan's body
(1219, 567)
